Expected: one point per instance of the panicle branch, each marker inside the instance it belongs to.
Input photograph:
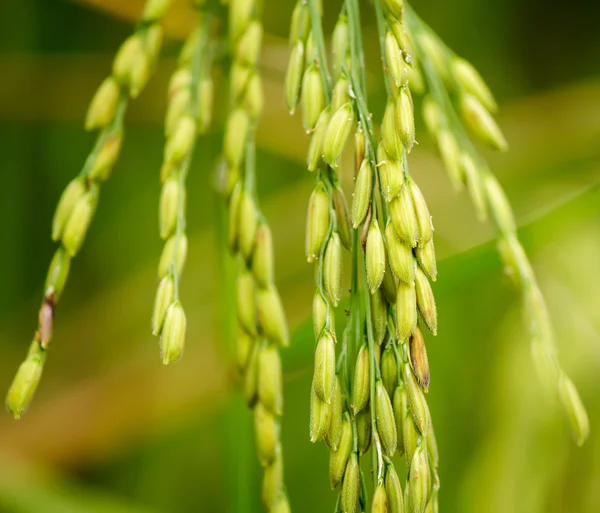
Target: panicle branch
(262, 324)
(459, 105)
(132, 67)
(188, 115)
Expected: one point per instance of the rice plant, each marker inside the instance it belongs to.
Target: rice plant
(371, 375)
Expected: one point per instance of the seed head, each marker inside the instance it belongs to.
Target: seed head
(404, 219)
(293, 77)
(324, 373)
(432, 447)
(416, 400)
(320, 414)
(405, 118)
(406, 310)
(393, 490)
(128, 54)
(313, 97)
(362, 193)
(173, 334)
(499, 205)
(273, 480)
(173, 256)
(170, 197)
(239, 77)
(240, 14)
(400, 256)
(390, 134)
(363, 430)
(337, 133)
(342, 216)
(380, 500)
(334, 430)
(247, 224)
(424, 223)
(418, 358)
(106, 157)
(139, 75)
(103, 105)
(378, 316)
(265, 432)
(338, 458)
(361, 381)
(233, 221)
(574, 408)
(419, 479)
(315, 148)
(351, 486)
(262, 258)
(58, 273)
(164, 298)
(281, 505)
(400, 406)
(480, 121)
(254, 100)
(410, 433)
(386, 425)
(180, 143)
(395, 8)
(236, 133)
(271, 316)
(375, 257)
(270, 383)
(390, 174)
(246, 302)
(321, 310)
(332, 268)
(300, 25)
(25, 382)
(178, 105)
(388, 285)
(69, 198)
(80, 218)
(317, 222)
(339, 43)
(389, 371)
(470, 80)
(426, 301)
(251, 376)
(396, 67)
(426, 257)
(340, 93)
(249, 45)
(244, 346)
(204, 102)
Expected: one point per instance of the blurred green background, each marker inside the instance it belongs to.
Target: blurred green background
(111, 430)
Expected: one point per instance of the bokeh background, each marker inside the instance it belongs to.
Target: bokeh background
(112, 430)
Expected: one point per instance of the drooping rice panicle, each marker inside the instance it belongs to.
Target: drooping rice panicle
(459, 100)
(188, 114)
(262, 326)
(132, 67)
